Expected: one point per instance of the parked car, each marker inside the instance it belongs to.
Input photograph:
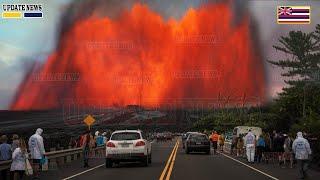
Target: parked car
(128, 146)
(197, 142)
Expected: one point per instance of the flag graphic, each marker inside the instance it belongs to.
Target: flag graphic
(293, 14)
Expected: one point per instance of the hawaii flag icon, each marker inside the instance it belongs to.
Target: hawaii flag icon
(293, 14)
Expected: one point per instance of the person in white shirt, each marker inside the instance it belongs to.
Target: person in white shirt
(301, 149)
(250, 141)
(37, 150)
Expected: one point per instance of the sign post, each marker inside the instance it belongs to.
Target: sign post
(89, 120)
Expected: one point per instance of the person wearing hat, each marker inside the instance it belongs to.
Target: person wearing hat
(250, 142)
(301, 149)
(37, 151)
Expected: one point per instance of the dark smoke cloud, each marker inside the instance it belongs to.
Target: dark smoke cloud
(167, 8)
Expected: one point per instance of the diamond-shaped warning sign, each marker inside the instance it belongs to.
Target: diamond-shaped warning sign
(89, 120)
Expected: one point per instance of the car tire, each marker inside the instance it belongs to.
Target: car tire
(187, 150)
(208, 152)
(145, 161)
(108, 163)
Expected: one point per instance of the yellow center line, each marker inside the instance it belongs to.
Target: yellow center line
(172, 163)
(168, 162)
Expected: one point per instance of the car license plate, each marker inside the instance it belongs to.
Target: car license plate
(125, 145)
(198, 143)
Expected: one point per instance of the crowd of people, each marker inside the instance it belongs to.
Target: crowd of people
(87, 141)
(29, 158)
(217, 141)
(22, 159)
(266, 146)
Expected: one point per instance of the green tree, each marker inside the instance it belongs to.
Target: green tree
(302, 67)
(302, 52)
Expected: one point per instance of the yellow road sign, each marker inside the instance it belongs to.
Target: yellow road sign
(89, 120)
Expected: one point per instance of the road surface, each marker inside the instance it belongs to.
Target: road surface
(169, 161)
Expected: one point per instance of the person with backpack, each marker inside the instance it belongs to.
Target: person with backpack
(301, 149)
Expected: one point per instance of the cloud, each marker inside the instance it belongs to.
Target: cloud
(23, 41)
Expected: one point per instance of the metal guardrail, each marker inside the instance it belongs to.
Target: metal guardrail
(59, 157)
(5, 164)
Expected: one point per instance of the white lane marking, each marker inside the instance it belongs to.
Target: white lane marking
(249, 166)
(70, 177)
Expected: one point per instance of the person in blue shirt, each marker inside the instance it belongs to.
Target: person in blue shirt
(99, 140)
(5, 154)
(261, 144)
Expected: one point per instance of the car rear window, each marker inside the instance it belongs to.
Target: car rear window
(198, 137)
(125, 136)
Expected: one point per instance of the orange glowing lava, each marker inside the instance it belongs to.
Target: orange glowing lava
(140, 58)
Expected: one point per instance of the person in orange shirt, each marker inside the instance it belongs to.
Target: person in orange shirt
(214, 140)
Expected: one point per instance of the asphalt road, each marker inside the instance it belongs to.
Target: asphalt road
(180, 167)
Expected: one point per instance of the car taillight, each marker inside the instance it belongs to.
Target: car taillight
(110, 144)
(140, 143)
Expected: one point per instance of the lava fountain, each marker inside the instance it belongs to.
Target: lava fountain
(140, 58)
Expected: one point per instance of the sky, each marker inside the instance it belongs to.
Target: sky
(23, 41)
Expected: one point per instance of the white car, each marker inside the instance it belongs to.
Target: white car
(128, 146)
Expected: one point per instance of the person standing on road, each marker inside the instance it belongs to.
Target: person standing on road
(261, 144)
(15, 142)
(99, 140)
(240, 145)
(105, 139)
(19, 157)
(5, 154)
(268, 142)
(86, 144)
(250, 146)
(287, 146)
(233, 144)
(214, 140)
(96, 136)
(221, 142)
(37, 151)
(301, 149)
